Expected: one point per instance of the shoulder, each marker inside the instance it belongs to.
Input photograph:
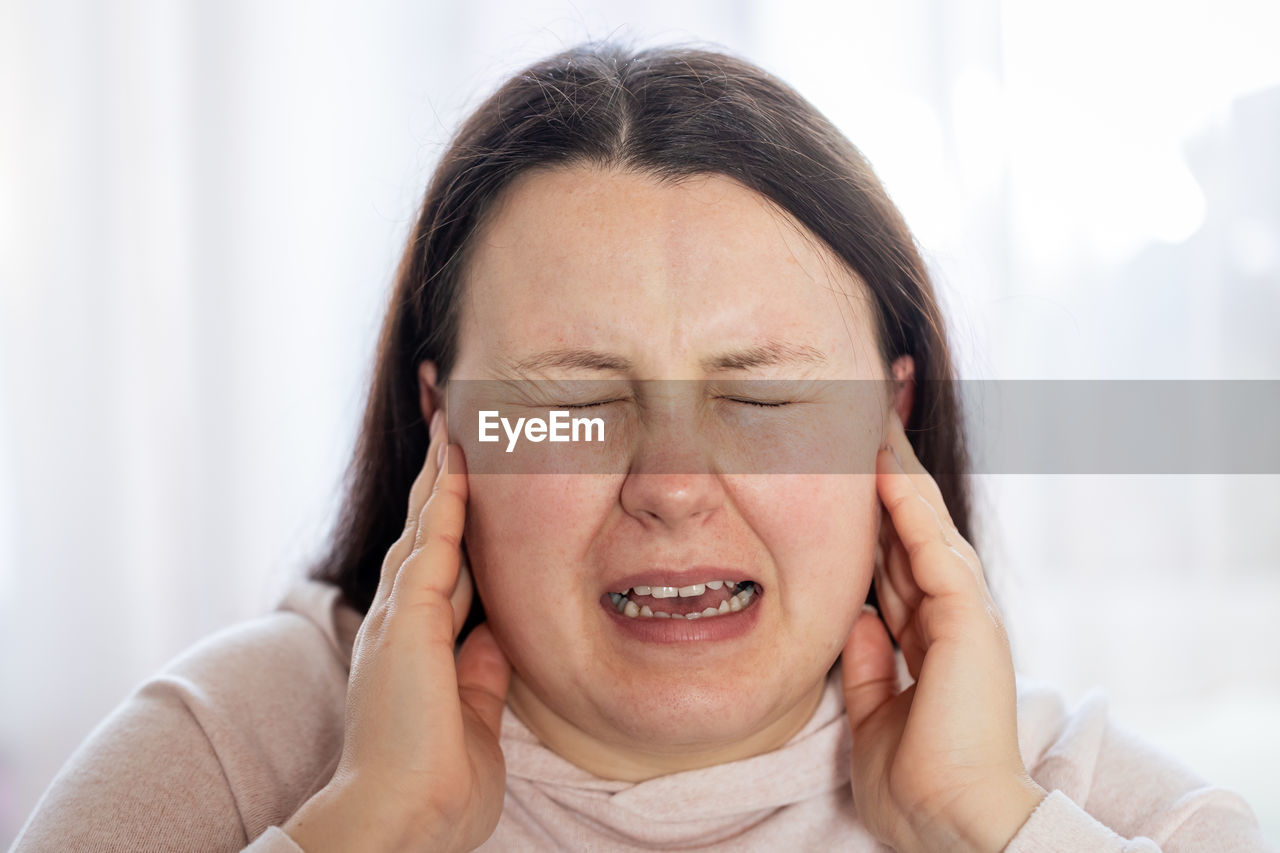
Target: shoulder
(225, 741)
(290, 656)
(269, 693)
(269, 696)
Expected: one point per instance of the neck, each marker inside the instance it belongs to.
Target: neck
(626, 761)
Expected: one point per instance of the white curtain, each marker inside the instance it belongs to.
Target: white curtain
(201, 206)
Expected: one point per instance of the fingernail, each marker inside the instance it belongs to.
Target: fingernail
(871, 608)
(435, 425)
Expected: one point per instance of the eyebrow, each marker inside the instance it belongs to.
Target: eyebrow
(770, 354)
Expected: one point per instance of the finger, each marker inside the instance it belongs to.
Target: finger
(951, 578)
(868, 667)
(460, 599)
(899, 595)
(431, 570)
(896, 565)
(419, 491)
(483, 676)
(905, 454)
(906, 457)
(936, 566)
(893, 609)
(902, 624)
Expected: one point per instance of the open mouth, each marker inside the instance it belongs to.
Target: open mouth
(696, 601)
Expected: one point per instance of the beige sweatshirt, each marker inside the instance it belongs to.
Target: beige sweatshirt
(220, 748)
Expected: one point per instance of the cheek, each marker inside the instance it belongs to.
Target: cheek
(820, 531)
(525, 535)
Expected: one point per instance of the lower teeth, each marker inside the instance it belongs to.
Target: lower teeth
(629, 608)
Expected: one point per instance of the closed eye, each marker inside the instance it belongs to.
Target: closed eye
(584, 405)
(768, 404)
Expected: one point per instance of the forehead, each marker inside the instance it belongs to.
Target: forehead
(661, 273)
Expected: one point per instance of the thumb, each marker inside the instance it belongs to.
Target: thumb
(868, 666)
(483, 676)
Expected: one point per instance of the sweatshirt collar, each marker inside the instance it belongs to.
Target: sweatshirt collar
(814, 762)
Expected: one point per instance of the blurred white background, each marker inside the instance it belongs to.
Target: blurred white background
(201, 207)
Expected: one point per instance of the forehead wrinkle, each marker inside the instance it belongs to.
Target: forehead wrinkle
(769, 353)
(571, 358)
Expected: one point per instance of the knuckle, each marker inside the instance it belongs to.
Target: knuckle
(916, 549)
(441, 497)
(370, 631)
(435, 608)
(394, 559)
(435, 531)
(970, 562)
(430, 609)
(898, 501)
(449, 537)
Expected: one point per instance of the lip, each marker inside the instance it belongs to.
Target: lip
(727, 626)
(688, 577)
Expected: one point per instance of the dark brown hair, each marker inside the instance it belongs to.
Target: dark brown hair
(666, 112)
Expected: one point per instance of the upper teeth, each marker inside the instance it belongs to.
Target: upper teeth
(681, 591)
(746, 590)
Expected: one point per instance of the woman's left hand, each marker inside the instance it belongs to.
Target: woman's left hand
(935, 766)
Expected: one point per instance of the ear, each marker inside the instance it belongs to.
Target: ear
(428, 395)
(904, 386)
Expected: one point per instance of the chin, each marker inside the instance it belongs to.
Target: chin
(704, 707)
(728, 686)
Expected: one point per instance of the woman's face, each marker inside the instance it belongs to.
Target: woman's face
(641, 281)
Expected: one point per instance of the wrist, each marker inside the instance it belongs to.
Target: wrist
(999, 814)
(984, 820)
(339, 817)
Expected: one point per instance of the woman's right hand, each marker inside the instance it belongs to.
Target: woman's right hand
(421, 768)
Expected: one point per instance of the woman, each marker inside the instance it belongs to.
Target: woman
(687, 636)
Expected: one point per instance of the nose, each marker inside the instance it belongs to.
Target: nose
(672, 488)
